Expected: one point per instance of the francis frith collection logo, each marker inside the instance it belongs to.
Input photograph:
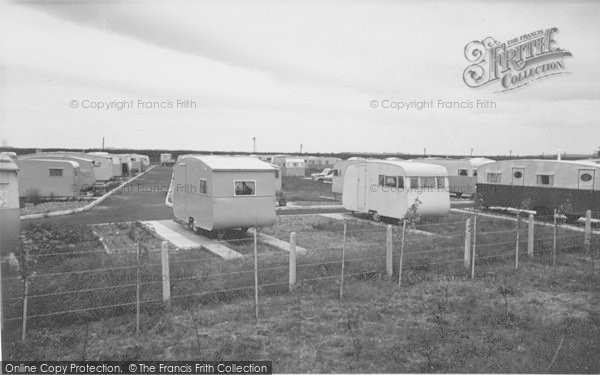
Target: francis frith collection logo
(515, 63)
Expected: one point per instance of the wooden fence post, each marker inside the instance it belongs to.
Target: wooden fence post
(588, 231)
(388, 251)
(474, 247)
(343, 260)
(137, 290)
(530, 236)
(554, 240)
(25, 293)
(26, 274)
(518, 239)
(292, 280)
(467, 257)
(255, 273)
(401, 253)
(166, 274)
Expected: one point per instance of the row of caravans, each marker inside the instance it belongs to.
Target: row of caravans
(388, 188)
(69, 174)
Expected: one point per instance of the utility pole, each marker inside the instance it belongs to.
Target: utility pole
(254, 145)
(300, 148)
(102, 143)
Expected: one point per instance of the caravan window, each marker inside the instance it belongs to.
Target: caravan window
(202, 186)
(277, 173)
(381, 180)
(463, 172)
(414, 182)
(55, 172)
(494, 177)
(440, 182)
(245, 188)
(390, 181)
(545, 179)
(428, 182)
(400, 182)
(336, 172)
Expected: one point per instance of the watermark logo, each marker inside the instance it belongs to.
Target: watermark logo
(515, 63)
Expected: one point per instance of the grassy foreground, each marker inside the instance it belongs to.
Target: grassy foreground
(536, 320)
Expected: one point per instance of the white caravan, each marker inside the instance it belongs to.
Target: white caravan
(387, 188)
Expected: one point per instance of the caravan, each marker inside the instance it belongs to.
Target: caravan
(386, 188)
(573, 187)
(216, 193)
(48, 178)
(86, 167)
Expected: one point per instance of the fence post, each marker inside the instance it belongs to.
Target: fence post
(588, 231)
(530, 235)
(166, 274)
(518, 239)
(401, 253)
(137, 291)
(474, 247)
(255, 273)
(467, 260)
(554, 240)
(388, 251)
(292, 261)
(25, 292)
(343, 260)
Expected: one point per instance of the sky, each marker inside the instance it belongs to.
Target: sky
(211, 75)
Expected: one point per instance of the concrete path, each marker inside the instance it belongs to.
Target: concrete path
(183, 238)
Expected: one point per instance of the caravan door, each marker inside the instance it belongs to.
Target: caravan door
(518, 176)
(586, 179)
(361, 187)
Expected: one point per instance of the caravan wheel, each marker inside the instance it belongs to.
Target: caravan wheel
(375, 216)
(193, 226)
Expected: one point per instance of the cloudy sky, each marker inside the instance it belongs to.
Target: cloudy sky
(288, 73)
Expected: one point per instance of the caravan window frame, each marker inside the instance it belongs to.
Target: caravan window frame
(430, 179)
(441, 179)
(388, 181)
(200, 180)
(497, 177)
(539, 179)
(50, 170)
(400, 182)
(244, 195)
(411, 180)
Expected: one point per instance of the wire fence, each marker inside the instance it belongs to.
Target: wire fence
(59, 284)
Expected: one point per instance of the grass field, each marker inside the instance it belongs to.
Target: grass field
(438, 321)
(513, 324)
(298, 189)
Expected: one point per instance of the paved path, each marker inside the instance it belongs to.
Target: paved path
(183, 238)
(143, 199)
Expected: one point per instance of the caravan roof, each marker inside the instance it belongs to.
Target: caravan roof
(415, 168)
(224, 163)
